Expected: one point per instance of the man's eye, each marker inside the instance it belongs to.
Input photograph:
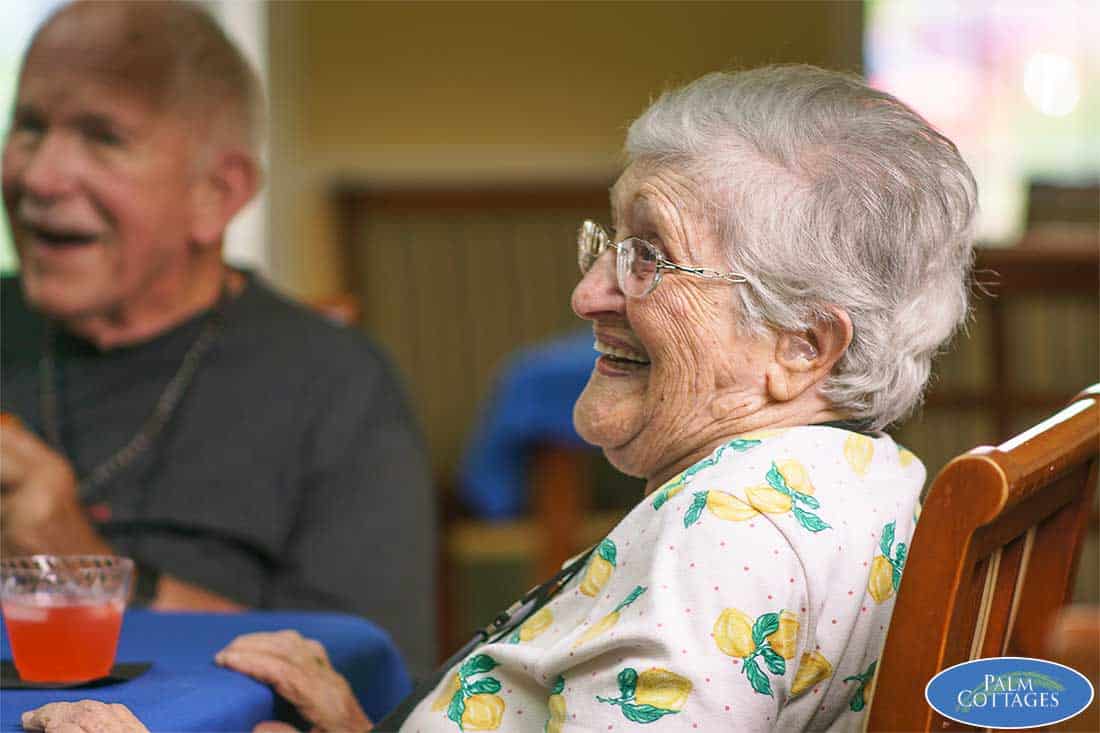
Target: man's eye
(102, 135)
(28, 124)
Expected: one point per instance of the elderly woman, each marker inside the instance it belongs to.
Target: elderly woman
(789, 250)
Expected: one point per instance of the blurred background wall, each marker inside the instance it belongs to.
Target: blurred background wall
(431, 160)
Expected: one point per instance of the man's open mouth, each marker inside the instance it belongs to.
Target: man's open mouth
(59, 237)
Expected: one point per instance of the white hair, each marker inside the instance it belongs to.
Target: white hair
(829, 194)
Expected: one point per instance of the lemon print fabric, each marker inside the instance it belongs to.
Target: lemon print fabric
(606, 623)
(651, 695)
(788, 490)
(858, 451)
(539, 622)
(812, 668)
(556, 705)
(865, 688)
(886, 568)
(472, 704)
(600, 568)
(676, 485)
(770, 638)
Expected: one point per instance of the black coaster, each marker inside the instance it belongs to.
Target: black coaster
(9, 678)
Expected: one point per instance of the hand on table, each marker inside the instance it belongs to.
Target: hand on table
(86, 716)
(39, 508)
(299, 671)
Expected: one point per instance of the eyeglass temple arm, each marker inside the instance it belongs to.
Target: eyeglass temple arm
(706, 272)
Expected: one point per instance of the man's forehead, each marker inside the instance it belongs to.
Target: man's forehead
(50, 90)
(104, 46)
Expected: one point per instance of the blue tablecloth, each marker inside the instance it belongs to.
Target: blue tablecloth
(185, 691)
(531, 402)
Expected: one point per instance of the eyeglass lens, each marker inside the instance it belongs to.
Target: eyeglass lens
(636, 261)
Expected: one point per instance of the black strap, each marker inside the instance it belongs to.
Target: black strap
(501, 626)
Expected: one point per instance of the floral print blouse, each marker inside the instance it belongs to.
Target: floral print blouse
(751, 592)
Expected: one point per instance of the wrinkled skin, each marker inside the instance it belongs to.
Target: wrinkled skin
(707, 379)
(299, 671)
(86, 716)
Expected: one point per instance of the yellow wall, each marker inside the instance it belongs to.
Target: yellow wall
(490, 92)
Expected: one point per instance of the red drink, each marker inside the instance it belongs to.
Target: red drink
(72, 642)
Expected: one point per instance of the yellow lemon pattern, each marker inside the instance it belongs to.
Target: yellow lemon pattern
(905, 457)
(771, 637)
(608, 621)
(474, 704)
(858, 450)
(727, 506)
(785, 637)
(556, 705)
(539, 622)
(812, 668)
(788, 487)
(886, 568)
(651, 695)
(600, 568)
(676, 485)
(865, 688)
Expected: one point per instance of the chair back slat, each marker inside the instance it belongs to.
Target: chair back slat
(992, 560)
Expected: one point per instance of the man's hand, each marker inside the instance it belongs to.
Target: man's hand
(39, 508)
(299, 671)
(86, 716)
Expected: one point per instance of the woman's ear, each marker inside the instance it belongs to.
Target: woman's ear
(803, 360)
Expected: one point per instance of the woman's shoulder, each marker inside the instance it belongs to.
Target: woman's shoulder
(805, 485)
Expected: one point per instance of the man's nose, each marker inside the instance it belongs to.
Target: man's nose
(47, 169)
(598, 291)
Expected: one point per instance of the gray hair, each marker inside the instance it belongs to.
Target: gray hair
(827, 193)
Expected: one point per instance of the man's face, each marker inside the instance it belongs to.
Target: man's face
(97, 186)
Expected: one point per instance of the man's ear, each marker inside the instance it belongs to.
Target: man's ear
(803, 360)
(229, 182)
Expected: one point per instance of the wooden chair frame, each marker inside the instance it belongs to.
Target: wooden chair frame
(993, 560)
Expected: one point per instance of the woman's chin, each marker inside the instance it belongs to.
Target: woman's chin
(604, 420)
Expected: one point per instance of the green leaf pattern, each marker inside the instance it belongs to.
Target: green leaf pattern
(808, 520)
(896, 556)
(607, 551)
(665, 492)
(765, 625)
(696, 509)
(857, 702)
(628, 679)
(475, 665)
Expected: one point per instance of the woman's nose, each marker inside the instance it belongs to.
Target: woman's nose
(598, 291)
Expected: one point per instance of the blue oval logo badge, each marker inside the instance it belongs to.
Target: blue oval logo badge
(1009, 692)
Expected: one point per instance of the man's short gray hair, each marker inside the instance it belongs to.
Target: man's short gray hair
(827, 193)
(172, 53)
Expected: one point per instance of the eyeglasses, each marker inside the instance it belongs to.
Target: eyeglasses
(638, 264)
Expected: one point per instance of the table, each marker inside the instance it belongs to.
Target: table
(186, 691)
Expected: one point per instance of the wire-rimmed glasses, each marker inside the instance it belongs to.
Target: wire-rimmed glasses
(638, 264)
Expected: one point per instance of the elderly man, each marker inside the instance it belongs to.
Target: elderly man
(244, 451)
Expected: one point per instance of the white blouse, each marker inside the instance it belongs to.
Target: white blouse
(752, 592)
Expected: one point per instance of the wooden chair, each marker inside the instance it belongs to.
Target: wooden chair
(992, 560)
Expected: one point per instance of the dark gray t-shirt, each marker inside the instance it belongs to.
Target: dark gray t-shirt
(291, 475)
